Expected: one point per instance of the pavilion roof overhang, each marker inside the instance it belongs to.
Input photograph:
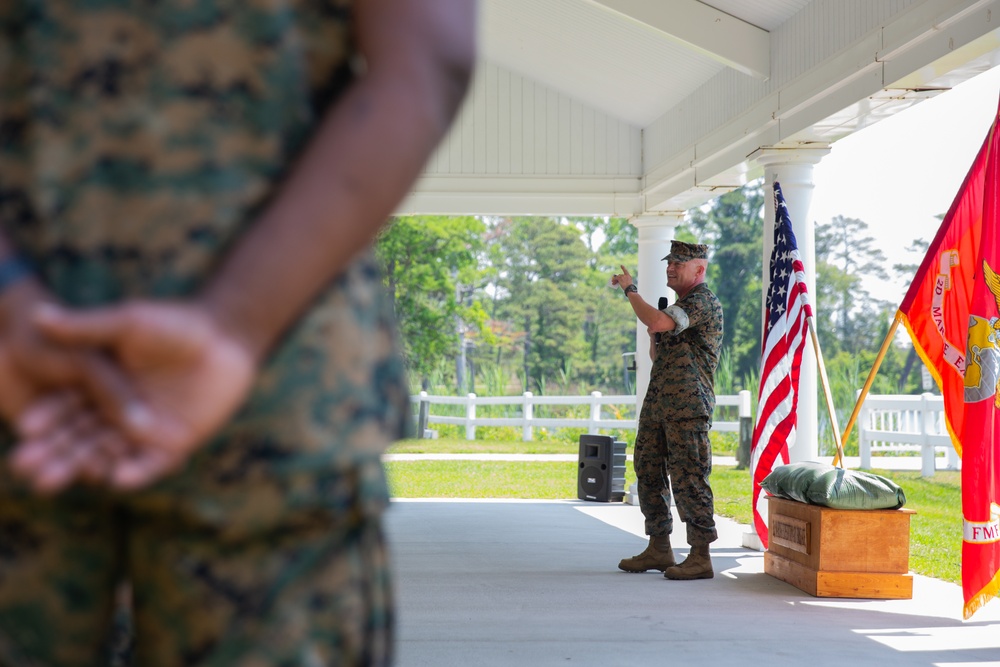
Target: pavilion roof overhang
(631, 107)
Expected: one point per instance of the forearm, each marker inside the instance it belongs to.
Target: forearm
(7, 249)
(19, 289)
(655, 319)
(361, 162)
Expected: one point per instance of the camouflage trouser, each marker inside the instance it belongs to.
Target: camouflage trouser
(678, 453)
(314, 590)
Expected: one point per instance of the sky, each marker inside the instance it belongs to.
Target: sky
(901, 172)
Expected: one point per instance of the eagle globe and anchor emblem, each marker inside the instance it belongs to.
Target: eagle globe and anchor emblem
(982, 371)
(982, 381)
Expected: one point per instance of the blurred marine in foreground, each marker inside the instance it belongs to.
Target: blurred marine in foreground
(199, 366)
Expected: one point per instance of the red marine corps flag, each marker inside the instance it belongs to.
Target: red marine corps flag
(952, 311)
(781, 358)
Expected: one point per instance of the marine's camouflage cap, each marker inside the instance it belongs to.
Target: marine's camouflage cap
(682, 252)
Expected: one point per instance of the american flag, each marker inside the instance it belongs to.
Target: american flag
(781, 356)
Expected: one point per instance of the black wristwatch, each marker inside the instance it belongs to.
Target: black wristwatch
(630, 288)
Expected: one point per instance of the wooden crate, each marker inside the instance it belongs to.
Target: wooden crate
(839, 553)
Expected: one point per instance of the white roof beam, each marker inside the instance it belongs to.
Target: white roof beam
(706, 30)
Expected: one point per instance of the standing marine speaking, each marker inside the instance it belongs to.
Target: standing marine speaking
(672, 445)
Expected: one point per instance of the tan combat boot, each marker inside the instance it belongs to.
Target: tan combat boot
(657, 556)
(697, 565)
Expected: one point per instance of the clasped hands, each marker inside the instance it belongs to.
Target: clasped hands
(117, 396)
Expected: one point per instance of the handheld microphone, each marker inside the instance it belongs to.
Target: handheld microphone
(662, 303)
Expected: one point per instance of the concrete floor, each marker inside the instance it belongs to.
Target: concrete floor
(535, 583)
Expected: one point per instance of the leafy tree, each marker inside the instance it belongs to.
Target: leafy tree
(529, 298)
(429, 260)
(850, 318)
(853, 324)
(620, 237)
(733, 227)
(539, 267)
(609, 323)
(907, 271)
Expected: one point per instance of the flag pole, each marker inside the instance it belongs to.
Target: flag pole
(868, 384)
(811, 325)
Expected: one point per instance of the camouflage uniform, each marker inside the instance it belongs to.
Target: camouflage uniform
(137, 141)
(672, 441)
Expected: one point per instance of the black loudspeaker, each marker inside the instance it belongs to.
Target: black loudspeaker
(601, 474)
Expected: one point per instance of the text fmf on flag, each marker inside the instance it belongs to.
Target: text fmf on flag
(784, 339)
(952, 311)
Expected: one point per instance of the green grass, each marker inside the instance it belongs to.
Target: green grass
(456, 446)
(935, 529)
(544, 480)
(731, 488)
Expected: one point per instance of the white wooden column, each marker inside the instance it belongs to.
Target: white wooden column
(793, 169)
(655, 234)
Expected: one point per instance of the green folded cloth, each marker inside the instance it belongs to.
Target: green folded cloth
(822, 484)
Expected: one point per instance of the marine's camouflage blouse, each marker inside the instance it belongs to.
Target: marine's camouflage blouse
(682, 380)
(137, 139)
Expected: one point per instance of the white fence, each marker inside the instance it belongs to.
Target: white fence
(887, 424)
(896, 424)
(527, 421)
